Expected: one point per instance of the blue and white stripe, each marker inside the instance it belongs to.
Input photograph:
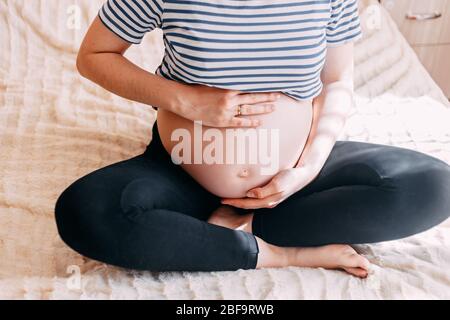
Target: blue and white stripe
(247, 45)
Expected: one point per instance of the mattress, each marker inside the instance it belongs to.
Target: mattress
(56, 127)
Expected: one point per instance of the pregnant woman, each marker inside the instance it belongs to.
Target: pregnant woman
(275, 79)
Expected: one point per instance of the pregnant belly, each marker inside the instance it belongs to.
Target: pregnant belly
(230, 161)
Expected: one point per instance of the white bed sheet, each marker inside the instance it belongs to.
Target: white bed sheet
(56, 127)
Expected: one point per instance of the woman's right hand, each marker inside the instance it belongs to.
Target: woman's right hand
(217, 107)
(101, 60)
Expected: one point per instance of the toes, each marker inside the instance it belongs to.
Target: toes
(358, 261)
(358, 272)
(364, 263)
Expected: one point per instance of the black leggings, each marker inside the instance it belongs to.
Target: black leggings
(146, 213)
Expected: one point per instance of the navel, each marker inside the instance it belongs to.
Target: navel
(244, 173)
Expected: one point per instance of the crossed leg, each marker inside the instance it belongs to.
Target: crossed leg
(364, 193)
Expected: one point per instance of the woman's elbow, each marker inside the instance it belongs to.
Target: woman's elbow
(82, 65)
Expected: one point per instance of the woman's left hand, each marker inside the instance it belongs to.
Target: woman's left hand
(282, 186)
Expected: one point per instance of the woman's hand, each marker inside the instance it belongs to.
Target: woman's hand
(281, 187)
(217, 107)
(331, 108)
(101, 59)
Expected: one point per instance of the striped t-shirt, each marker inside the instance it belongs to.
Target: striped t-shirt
(246, 45)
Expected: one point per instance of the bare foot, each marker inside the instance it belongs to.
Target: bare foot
(226, 216)
(335, 256)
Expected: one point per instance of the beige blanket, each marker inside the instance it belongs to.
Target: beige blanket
(56, 127)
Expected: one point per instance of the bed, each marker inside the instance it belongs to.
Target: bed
(56, 126)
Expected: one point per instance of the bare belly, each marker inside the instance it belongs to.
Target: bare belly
(227, 161)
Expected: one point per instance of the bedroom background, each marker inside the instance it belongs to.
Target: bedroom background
(56, 126)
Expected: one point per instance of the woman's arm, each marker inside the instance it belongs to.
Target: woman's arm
(101, 60)
(330, 108)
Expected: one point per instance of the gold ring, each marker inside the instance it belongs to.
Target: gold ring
(239, 111)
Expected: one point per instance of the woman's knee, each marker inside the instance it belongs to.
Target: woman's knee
(78, 214)
(141, 195)
(421, 188)
(90, 212)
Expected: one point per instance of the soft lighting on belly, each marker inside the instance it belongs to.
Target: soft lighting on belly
(231, 147)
